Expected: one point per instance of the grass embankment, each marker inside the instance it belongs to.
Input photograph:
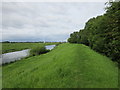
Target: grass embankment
(67, 66)
(11, 47)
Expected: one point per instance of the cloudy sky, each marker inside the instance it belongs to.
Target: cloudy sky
(46, 21)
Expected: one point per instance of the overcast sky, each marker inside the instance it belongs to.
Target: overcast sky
(48, 21)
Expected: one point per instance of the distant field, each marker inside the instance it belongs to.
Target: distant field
(10, 47)
(66, 66)
(0, 48)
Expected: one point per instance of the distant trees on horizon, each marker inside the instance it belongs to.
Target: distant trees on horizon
(31, 42)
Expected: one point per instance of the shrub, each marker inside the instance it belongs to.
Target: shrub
(38, 50)
(58, 43)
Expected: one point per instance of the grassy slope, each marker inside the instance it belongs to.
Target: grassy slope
(10, 47)
(68, 65)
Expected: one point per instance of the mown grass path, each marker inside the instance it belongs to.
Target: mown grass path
(67, 66)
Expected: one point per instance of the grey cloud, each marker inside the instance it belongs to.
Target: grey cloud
(48, 21)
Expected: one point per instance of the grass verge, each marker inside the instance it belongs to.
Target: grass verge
(66, 66)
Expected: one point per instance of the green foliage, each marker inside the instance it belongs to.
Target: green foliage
(73, 37)
(38, 50)
(66, 66)
(102, 33)
(58, 43)
(11, 47)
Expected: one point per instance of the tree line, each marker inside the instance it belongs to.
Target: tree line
(102, 33)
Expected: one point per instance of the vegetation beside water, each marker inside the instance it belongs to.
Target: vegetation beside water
(102, 33)
(71, 65)
(11, 47)
(38, 50)
(66, 66)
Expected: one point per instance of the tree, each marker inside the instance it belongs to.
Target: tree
(102, 33)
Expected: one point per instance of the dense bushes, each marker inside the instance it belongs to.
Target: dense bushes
(38, 50)
(102, 33)
(58, 43)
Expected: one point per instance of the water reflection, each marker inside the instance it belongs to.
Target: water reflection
(17, 55)
(12, 56)
(50, 47)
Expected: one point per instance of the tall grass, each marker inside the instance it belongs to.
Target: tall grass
(66, 66)
(38, 50)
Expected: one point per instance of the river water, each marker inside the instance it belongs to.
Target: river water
(50, 47)
(17, 55)
(13, 56)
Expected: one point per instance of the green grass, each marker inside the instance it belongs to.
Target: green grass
(11, 47)
(0, 48)
(38, 50)
(0, 77)
(66, 66)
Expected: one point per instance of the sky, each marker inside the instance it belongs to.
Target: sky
(46, 21)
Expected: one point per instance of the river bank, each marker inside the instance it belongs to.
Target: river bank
(18, 55)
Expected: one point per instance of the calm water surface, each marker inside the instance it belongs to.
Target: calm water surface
(50, 47)
(12, 56)
(17, 55)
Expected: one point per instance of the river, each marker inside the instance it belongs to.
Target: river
(18, 55)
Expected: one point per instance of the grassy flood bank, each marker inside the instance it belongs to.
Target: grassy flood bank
(66, 66)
